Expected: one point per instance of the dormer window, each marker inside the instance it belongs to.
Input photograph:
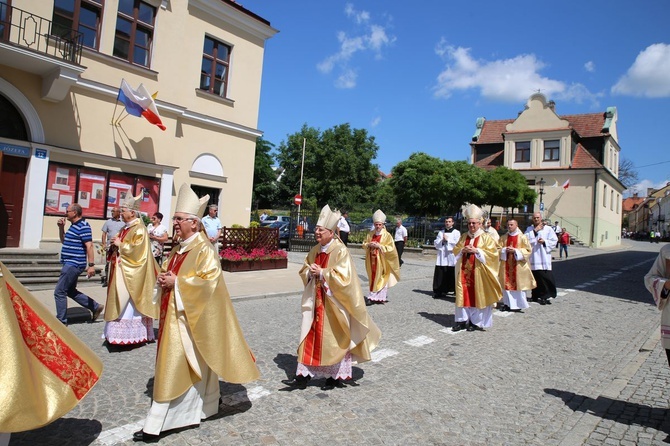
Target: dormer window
(522, 152)
(552, 149)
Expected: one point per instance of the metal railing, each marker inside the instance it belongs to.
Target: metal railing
(27, 30)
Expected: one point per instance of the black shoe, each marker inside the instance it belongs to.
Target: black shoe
(473, 327)
(458, 326)
(438, 295)
(144, 437)
(299, 382)
(331, 383)
(368, 302)
(547, 301)
(104, 284)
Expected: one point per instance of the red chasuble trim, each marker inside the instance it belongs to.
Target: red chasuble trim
(374, 258)
(468, 276)
(313, 348)
(174, 265)
(510, 264)
(51, 350)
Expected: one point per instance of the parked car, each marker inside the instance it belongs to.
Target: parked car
(284, 232)
(419, 228)
(367, 224)
(274, 218)
(438, 225)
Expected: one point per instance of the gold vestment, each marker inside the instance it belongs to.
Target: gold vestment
(486, 284)
(388, 265)
(523, 279)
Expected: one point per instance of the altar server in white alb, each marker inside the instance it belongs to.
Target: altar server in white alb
(542, 240)
(444, 276)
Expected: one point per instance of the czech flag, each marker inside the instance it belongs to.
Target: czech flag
(139, 103)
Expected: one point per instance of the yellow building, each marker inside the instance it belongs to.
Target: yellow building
(64, 137)
(572, 161)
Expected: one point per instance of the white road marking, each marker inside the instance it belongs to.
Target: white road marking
(378, 355)
(418, 342)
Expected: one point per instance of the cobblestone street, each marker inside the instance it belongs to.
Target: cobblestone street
(588, 369)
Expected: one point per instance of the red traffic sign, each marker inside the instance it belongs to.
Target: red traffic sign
(297, 199)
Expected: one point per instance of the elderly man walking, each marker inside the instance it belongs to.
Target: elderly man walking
(515, 274)
(542, 239)
(336, 329)
(381, 260)
(199, 339)
(477, 285)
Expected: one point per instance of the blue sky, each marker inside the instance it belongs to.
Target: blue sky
(417, 75)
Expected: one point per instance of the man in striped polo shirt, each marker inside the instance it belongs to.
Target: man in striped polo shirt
(76, 255)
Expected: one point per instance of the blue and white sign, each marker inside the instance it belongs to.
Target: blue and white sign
(41, 154)
(11, 149)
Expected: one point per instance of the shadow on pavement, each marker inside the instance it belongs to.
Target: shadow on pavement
(619, 411)
(446, 320)
(65, 431)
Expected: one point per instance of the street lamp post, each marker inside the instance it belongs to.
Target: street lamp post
(541, 183)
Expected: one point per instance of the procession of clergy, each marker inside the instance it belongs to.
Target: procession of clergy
(199, 337)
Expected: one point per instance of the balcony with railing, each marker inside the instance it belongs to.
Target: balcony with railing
(33, 44)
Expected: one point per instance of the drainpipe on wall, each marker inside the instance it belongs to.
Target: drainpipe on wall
(595, 209)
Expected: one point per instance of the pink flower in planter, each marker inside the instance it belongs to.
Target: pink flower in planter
(239, 254)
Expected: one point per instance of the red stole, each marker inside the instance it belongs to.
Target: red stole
(373, 260)
(468, 275)
(313, 346)
(175, 263)
(510, 264)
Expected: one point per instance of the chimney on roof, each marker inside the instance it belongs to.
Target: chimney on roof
(635, 195)
(552, 105)
(650, 190)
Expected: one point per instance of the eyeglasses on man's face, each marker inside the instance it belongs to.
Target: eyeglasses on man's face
(180, 219)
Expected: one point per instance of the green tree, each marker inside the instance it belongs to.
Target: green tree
(338, 167)
(425, 185)
(265, 178)
(506, 188)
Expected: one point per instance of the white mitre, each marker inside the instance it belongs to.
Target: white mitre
(328, 218)
(189, 203)
(473, 211)
(379, 216)
(132, 203)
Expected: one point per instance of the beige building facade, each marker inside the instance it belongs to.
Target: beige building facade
(572, 161)
(67, 139)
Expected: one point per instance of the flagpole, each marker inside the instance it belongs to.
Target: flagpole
(302, 170)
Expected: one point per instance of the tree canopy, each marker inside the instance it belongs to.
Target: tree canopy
(265, 185)
(338, 167)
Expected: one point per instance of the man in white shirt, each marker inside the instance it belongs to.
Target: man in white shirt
(444, 278)
(343, 228)
(400, 238)
(212, 225)
(542, 240)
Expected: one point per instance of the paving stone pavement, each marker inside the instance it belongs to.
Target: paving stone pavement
(567, 374)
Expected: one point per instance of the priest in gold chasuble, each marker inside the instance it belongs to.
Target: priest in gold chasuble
(199, 337)
(336, 330)
(515, 274)
(381, 260)
(45, 370)
(130, 310)
(477, 285)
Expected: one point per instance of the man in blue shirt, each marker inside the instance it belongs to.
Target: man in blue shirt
(212, 225)
(76, 255)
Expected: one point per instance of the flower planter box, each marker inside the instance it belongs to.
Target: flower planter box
(253, 265)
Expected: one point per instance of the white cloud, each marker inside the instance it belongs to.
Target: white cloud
(375, 121)
(590, 66)
(648, 76)
(508, 80)
(642, 187)
(373, 39)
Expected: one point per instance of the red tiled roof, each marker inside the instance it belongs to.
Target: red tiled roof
(492, 161)
(586, 125)
(582, 159)
(631, 203)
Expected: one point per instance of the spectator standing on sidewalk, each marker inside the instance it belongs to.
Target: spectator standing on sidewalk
(158, 234)
(399, 239)
(564, 240)
(109, 231)
(477, 284)
(76, 255)
(336, 328)
(343, 228)
(444, 277)
(199, 340)
(212, 226)
(381, 260)
(130, 314)
(657, 282)
(515, 274)
(542, 240)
